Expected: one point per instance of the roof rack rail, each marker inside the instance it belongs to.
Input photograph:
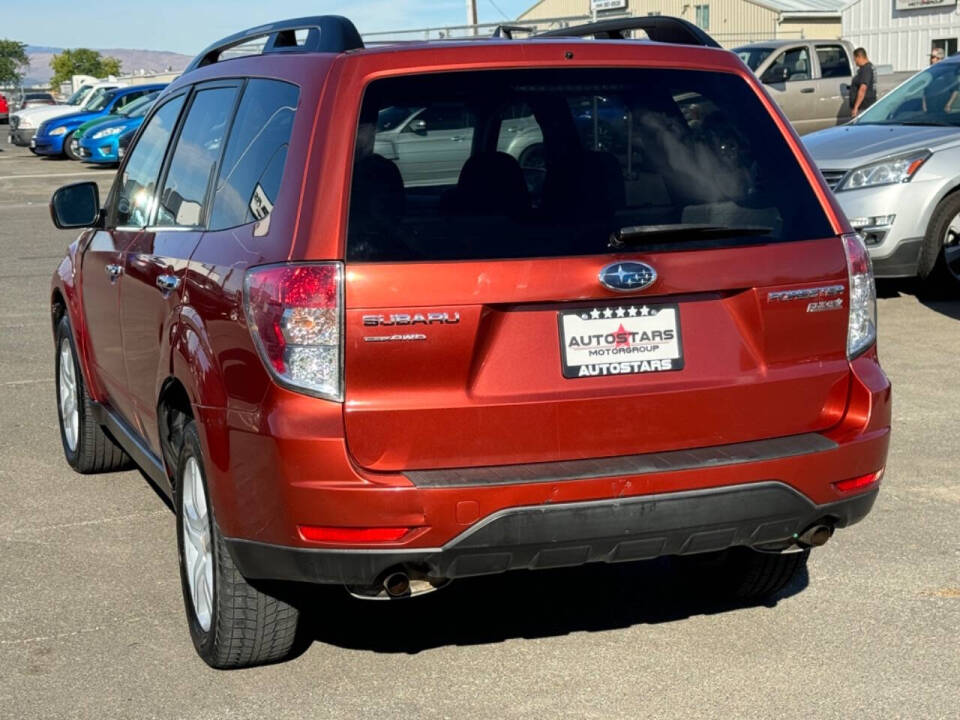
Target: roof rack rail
(325, 34)
(507, 31)
(659, 28)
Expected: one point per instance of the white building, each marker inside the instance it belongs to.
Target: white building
(902, 32)
(730, 22)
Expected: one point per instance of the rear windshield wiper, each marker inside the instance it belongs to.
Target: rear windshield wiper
(680, 232)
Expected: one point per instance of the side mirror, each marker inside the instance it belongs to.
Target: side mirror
(419, 127)
(76, 206)
(776, 74)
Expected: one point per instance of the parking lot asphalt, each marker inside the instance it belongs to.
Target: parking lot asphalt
(92, 622)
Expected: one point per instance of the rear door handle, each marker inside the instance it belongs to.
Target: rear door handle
(168, 283)
(113, 271)
(806, 90)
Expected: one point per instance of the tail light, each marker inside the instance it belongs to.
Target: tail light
(859, 482)
(862, 323)
(295, 314)
(352, 534)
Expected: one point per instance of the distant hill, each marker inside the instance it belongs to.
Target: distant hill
(131, 61)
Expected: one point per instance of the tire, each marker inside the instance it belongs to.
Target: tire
(746, 575)
(66, 147)
(939, 263)
(86, 445)
(236, 625)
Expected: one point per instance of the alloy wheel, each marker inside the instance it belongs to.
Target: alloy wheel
(951, 247)
(197, 543)
(68, 395)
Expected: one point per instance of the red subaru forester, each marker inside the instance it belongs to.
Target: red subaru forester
(388, 317)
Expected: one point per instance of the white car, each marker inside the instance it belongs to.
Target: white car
(24, 124)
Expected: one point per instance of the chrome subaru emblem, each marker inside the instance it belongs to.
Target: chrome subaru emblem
(627, 276)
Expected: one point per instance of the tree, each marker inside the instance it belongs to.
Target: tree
(81, 61)
(13, 60)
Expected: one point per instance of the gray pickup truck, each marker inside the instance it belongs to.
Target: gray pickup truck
(810, 79)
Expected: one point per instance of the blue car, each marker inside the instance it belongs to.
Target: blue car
(53, 136)
(97, 142)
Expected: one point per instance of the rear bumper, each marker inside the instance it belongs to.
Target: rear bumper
(288, 466)
(615, 530)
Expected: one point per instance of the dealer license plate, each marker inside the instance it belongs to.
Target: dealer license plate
(620, 340)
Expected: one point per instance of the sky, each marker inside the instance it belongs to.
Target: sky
(187, 26)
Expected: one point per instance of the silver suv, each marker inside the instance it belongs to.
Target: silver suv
(895, 171)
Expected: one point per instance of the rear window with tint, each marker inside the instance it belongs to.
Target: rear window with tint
(507, 164)
(252, 166)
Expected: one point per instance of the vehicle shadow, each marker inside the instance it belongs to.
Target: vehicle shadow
(525, 604)
(942, 301)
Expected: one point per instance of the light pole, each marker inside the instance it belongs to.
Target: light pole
(472, 15)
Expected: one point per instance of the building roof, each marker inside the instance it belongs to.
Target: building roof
(804, 6)
(796, 8)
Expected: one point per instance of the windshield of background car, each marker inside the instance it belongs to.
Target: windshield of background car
(931, 97)
(139, 107)
(96, 104)
(94, 100)
(79, 95)
(753, 57)
(532, 163)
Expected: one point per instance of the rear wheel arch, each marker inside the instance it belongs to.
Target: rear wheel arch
(174, 411)
(58, 307)
(193, 391)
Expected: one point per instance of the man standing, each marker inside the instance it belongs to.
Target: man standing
(936, 55)
(863, 88)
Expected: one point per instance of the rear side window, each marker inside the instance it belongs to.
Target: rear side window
(537, 163)
(194, 163)
(137, 187)
(833, 61)
(252, 166)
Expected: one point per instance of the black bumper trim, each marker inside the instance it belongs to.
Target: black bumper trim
(547, 536)
(902, 262)
(670, 461)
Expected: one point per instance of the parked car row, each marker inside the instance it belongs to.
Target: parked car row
(89, 126)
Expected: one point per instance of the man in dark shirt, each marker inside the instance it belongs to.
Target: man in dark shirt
(863, 88)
